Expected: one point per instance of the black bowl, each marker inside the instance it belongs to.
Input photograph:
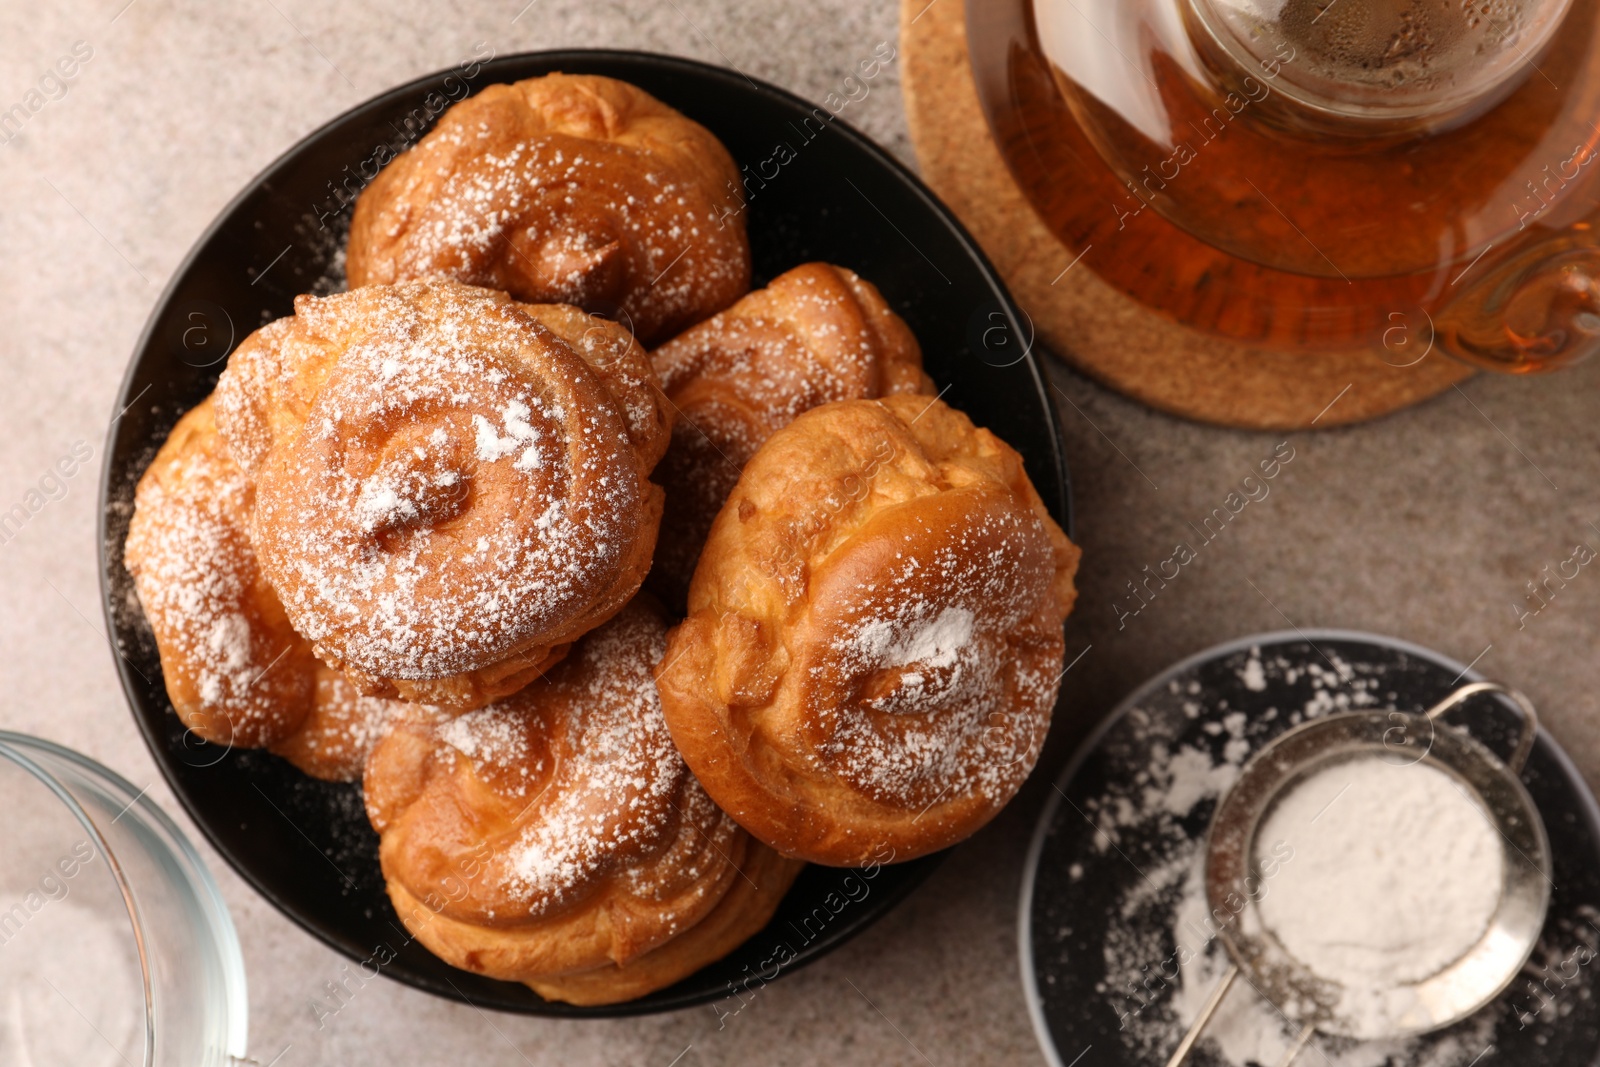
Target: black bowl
(305, 845)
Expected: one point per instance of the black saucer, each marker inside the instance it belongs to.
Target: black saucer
(1102, 882)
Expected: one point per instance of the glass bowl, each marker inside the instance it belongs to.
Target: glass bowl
(115, 945)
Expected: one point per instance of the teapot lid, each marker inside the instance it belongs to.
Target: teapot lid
(1358, 62)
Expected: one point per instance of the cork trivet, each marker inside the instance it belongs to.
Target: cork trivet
(1094, 328)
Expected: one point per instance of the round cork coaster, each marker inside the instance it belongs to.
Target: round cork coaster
(1094, 328)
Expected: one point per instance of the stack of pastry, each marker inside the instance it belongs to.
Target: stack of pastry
(405, 542)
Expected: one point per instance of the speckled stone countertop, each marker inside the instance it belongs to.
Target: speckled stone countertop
(1425, 525)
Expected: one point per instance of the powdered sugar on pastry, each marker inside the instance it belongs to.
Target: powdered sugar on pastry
(816, 334)
(332, 741)
(567, 188)
(583, 836)
(883, 644)
(512, 562)
(874, 643)
(943, 651)
(235, 670)
(621, 751)
(521, 440)
(491, 734)
(510, 217)
(465, 493)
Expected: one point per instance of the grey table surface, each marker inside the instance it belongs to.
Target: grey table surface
(1425, 525)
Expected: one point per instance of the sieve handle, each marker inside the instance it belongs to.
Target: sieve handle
(1198, 1027)
(1299, 1045)
(1530, 717)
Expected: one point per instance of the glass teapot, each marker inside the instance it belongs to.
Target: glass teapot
(1317, 174)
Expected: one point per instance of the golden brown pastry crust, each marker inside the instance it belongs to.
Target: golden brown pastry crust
(235, 671)
(874, 641)
(450, 487)
(341, 729)
(816, 334)
(557, 830)
(740, 915)
(569, 188)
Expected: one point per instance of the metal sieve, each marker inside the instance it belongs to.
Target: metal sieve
(1234, 873)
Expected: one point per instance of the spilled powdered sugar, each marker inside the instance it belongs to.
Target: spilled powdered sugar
(1246, 1031)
